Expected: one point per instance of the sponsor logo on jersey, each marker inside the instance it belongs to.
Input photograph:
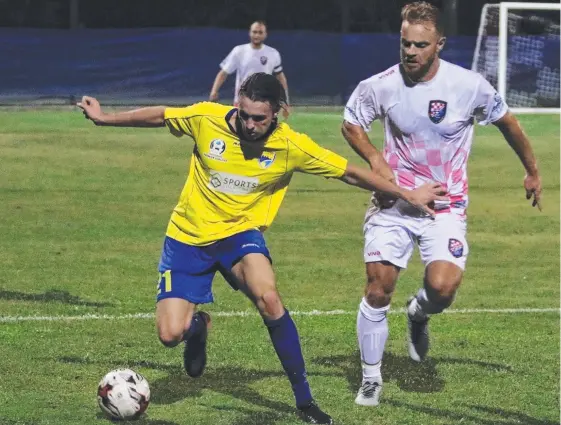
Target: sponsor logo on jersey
(232, 183)
(497, 103)
(217, 148)
(352, 112)
(437, 110)
(386, 74)
(455, 247)
(263, 60)
(267, 159)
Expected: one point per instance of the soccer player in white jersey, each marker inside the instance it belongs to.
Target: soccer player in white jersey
(250, 58)
(428, 108)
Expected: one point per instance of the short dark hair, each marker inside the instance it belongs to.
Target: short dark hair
(263, 87)
(260, 22)
(422, 11)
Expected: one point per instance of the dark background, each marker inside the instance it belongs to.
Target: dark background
(354, 16)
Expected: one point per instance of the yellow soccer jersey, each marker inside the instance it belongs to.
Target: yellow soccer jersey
(234, 185)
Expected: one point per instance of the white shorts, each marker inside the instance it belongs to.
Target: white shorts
(391, 234)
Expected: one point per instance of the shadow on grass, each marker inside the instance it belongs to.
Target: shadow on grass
(234, 382)
(144, 420)
(409, 376)
(504, 417)
(53, 295)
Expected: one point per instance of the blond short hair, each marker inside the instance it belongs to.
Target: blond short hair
(420, 12)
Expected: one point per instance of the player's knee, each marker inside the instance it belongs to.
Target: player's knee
(378, 292)
(270, 305)
(170, 335)
(442, 289)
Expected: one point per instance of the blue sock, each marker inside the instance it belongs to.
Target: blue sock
(197, 325)
(287, 345)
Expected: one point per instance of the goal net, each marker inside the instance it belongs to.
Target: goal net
(517, 51)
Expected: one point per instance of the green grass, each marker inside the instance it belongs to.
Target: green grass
(84, 212)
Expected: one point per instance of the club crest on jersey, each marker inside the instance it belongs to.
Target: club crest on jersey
(437, 110)
(455, 247)
(217, 148)
(263, 60)
(266, 159)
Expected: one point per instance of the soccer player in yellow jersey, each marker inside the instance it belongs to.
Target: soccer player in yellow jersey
(242, 164)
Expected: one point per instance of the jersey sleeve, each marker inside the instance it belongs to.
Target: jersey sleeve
(488, 105)
(184, 121)
(230, 62)
(362, 107)
(277, 64)
(310, 158)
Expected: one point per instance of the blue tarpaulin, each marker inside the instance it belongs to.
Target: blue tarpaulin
(180, 64)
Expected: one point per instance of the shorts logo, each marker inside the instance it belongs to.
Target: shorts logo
(263, 60)
(437, 110)
(267, 159)
(455, 247)
(232, 183)
(217, 148)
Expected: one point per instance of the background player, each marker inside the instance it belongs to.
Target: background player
(240, 170)
(428, 107)
(247, 59)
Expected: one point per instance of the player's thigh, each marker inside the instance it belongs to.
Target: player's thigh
(444, 239)
(186, 274)
(173, 318)
(391, 243)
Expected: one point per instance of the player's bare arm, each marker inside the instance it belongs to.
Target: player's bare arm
(282, 79)
(514, 134)
(218, 81)
(420, 197)
(152, 116)
(357, 138)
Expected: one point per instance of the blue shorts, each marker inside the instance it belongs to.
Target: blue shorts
(187, 271)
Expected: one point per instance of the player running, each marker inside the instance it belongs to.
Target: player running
(428, 107)
(242, 164)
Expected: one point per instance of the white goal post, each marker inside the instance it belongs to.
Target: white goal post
(517, 50)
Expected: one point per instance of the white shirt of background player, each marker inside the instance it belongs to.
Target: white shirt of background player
(247, 59)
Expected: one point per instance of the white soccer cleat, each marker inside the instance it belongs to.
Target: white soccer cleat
(417, 336)
(369, 393)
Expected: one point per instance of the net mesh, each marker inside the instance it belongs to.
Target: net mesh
(533, 41)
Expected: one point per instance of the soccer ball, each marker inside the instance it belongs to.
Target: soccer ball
(123, 394)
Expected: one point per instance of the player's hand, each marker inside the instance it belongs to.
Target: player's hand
(213, 97)
(533, 186)
(424, 196)
(91, 108)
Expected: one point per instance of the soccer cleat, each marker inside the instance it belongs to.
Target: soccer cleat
(369, 393)
(418, 336)
(312, 414)
(194, 354)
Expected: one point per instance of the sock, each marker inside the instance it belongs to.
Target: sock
(197, 325)
(287, 345)
(372, 330)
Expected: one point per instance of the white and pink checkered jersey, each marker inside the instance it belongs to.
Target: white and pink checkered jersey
(428, 126)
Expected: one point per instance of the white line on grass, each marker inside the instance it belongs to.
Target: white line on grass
(18, 319)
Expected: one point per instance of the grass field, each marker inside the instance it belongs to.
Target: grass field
(84, 211)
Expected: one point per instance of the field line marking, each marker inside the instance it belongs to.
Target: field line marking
(83, 317)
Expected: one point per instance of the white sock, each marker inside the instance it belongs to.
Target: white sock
(372, 330)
